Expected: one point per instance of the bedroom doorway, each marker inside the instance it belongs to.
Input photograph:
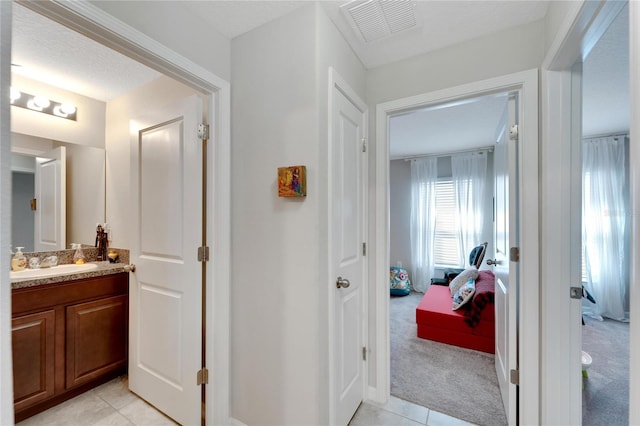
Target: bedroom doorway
(528, 171)
(430, 134)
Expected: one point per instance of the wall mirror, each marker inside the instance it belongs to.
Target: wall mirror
(55, 201)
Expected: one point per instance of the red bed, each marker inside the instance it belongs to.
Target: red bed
(471, 326)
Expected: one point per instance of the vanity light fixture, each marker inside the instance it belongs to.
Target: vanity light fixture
(43, 104)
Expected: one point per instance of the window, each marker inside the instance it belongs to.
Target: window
(446, 244)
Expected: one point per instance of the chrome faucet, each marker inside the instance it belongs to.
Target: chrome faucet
(46, 262)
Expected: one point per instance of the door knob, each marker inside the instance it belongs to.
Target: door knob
(342, 282)
(493, 262)
(130, 268)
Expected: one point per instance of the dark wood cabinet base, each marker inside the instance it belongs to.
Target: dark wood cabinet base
(67, 338)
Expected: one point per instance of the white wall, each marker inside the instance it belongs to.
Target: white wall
(279, 246)
(86, 188)
(173, 24)
(400, 213)
(120, 111)
(501, 53)
(88, 129)
(553, 20)
(275, 291)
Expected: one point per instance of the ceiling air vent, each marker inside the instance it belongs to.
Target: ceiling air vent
(376, 19)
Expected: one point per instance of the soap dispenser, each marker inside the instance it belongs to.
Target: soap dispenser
(19, 260)
(78, 256)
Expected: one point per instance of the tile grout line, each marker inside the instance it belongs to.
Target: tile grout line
(408, 418)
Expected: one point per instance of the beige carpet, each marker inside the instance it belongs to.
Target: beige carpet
(456, 381)
(605, 396)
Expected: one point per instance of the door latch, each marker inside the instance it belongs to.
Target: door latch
(342, 282)
(575, 292)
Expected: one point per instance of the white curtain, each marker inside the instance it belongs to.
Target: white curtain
(469, 175)
(604, 225)
(424, 174)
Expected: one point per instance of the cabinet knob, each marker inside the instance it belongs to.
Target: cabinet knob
(130, 268)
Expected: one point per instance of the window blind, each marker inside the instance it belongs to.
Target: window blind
(446, 245)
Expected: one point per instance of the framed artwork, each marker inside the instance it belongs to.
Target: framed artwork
(292, 181)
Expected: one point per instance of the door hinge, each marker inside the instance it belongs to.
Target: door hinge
(203, 254)
(513, 132)
(202, 377)
(364, 249)
(514, 254)
(34, 204)
(514, 377)
(364, 144)
(364, 353)
(203, 131)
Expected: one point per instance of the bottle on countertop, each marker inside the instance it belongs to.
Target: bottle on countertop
(19, 260)
(101, 242)
(78, 257)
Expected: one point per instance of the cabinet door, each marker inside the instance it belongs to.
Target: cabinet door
(96, 339)
(33, 338)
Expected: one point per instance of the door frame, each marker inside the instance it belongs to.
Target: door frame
(338, 83)
(561, 212)
(102, 27)
(529, 344)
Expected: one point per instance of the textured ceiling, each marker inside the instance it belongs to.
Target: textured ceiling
(233, 18)
(53, 54)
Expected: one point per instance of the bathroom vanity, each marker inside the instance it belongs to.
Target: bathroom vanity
(69, 334)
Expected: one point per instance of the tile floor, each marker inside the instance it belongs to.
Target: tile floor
(398, 412)
(111, 404)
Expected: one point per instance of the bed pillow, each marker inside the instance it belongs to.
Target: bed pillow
(464, 276)
(464, 294)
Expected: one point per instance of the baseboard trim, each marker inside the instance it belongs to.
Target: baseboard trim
(235, 422)
(374, 395)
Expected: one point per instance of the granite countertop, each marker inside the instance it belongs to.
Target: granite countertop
(103, 268)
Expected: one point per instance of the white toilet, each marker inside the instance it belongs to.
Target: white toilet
(586, 360)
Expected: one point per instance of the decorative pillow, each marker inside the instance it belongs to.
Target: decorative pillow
(464, 276)
(399, 281)
(464, 294)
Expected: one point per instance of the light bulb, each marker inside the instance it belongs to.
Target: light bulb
(67, 108)
(41, 101)
(15, 94)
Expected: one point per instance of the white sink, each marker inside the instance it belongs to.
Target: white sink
(32, 274)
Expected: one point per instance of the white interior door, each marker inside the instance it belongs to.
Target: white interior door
(165, 289)
(51, 197)
(506, 286)
(348, 162)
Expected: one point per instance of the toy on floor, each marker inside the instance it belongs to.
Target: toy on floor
(399, 281)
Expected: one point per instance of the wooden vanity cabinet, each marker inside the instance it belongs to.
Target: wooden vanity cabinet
(67, 338)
